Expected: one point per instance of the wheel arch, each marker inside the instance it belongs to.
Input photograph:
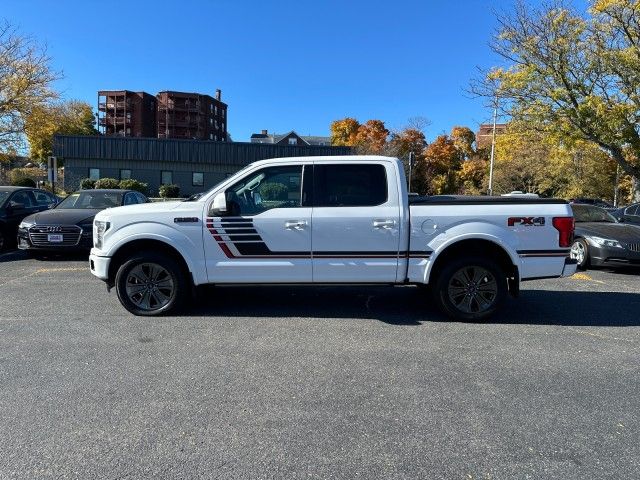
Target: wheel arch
(125, 250)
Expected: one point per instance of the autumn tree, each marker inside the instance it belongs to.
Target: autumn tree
(464, 139)
(437, 172)
(64, 118)
(574, 74)
(343, 132)
(26, 81)
(372, 137)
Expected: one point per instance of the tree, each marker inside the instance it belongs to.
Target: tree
(437, 172)
(464, 139)
(64, 118)
(343, 132)
(25, 83)
(372, 136)
(572, 74)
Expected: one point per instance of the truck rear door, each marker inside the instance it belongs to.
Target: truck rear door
(355, 222)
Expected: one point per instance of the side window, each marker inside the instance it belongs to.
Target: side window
(271, 187)
(141, 198)
(94, 173)
(351, 185)
(43, 198)
(130, 199)
(633, 210)
(23, 198)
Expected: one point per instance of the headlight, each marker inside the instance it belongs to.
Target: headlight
(606, 242)
(26, 225)
(99, 228)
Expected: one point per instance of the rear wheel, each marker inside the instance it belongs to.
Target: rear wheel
(580, 253)
(470, 289)
(151, 284)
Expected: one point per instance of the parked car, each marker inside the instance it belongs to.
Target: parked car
(17, 203)
(69, 226)
(601, 240)
(344, 220)
(630, 214)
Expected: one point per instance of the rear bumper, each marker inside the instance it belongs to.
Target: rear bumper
(570, 267)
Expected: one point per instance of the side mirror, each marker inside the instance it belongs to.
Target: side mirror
(219, 207)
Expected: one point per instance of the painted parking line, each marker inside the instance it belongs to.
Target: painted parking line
(584, 276)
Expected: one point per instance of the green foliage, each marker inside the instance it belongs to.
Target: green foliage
(23, 182)
(274, 191)
(169, 191)
(132, 184)
(87, 184)
(107, 183)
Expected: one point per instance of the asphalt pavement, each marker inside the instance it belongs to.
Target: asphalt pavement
(326, 382)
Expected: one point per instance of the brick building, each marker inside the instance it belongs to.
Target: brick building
(485, 134)
(126, 113)
(191, 116)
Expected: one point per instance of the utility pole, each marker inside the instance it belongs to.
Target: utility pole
(493, 145)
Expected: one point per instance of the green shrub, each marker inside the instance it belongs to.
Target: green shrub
(107, 183)
(131, 184)
(274, 191)
(169, 191)
(87, 184)
(23, 182)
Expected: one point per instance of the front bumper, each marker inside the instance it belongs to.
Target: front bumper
(25, 242)
(612, 257)
(99, 266)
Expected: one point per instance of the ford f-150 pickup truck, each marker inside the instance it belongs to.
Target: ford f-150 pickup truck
(331, 220)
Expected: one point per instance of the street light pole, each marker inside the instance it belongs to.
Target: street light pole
(493, 146)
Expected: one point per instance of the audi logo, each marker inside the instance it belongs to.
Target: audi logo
(53, 229)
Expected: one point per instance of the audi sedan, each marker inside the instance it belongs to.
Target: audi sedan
(69, 226)
(600, 240)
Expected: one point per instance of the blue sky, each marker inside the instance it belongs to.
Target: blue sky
(281, 65)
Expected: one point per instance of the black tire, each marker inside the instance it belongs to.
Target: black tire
(580, 253)
(142, 294)
(470, 289)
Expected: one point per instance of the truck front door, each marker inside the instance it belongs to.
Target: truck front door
(355, 223)
(265, 235)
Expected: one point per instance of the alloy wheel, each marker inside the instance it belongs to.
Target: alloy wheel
(578, 252)
(149, 286)
(472, 289)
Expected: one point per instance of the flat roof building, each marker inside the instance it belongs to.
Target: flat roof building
(126, 114)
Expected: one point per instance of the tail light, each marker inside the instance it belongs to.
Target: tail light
(564, 225)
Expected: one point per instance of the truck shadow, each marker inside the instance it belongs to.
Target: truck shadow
(411, 306)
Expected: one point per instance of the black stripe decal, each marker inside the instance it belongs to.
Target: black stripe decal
(544, 253)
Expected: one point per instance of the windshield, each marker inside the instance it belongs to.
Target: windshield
(588, 213)
(3, 197)
(92, 200)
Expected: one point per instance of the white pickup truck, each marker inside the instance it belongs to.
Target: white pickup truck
(331, 220)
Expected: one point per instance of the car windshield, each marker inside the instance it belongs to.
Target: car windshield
(3, 196)
(589, 213)
(92, 200)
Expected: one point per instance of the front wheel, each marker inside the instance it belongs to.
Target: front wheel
(470, 289)
(580, 253)
(150, 285)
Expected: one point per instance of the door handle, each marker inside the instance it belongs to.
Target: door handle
(295, 224)
(385, 224)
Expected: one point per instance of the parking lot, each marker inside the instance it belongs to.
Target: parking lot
(327, 382)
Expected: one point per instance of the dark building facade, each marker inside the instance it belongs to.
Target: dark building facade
(126, 114)
(191, 116)
(193, 165)
(485, 134)
(291, 138)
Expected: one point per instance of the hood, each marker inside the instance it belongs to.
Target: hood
(142, 208)
(622, 232)
(63, 216)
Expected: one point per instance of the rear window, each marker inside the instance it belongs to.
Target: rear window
(352, 185)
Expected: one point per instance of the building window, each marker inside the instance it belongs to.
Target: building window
(166, 177)
(216, 137)
(211, 107)
(216, 110)
(211, 136)
(211, 121)
(197, 179)
(94, 173)
(125, 174)
(216, 124)
(293, 141)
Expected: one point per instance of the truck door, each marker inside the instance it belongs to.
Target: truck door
(265, 235)
(355, 222)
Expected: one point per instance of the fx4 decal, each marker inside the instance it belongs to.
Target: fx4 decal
(526, 221)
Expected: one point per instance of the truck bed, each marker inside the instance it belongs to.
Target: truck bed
(481, 200)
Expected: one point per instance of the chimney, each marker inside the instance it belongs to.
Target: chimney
(264, 132)
(218, 94)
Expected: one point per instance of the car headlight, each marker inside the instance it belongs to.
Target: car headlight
(25, 225)
(606, 242)
(99, 229)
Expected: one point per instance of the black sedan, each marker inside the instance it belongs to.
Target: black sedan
(600, 240)
(630, 214)
(17, 203)
(69, 226)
